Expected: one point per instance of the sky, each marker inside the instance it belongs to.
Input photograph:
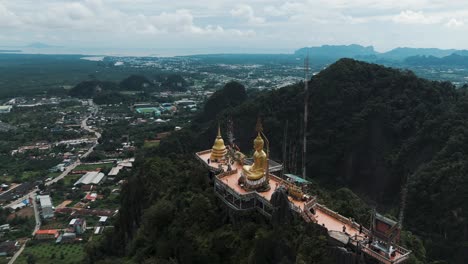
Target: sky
(259, 26)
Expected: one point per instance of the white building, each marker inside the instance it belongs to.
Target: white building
(46, 206)
(92, 177)
(5, 109)
(128, 163)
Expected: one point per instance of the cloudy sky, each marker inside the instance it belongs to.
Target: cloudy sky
(223, 26)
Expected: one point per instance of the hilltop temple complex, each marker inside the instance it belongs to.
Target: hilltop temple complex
(245, 184)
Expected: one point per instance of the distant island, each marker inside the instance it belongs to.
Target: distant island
(39, 45)
(10, 51)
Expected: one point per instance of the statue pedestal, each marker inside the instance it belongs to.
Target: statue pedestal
(260, 185)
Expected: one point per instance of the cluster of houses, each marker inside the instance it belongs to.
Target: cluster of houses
(75, 228)
(165, 108)
(72, 233)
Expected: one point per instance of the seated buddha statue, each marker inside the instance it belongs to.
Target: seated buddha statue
(257, 170)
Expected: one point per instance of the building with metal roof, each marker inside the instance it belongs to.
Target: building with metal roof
(92, 177)
(46, 206)
(5, 109)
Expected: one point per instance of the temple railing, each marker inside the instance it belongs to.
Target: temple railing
(226, 173)
(232, 199)
(376, 255)
(357, 226)
(204, 162)
(334, 214)
(219, 182)
(310, 203)
(203, 152)
(384, 259)
(276, 178)
(263, 200)
(295, 208)
(403, 251)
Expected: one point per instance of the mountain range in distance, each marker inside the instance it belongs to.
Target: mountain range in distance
(319, 55)
(369, 53)
(324, 51)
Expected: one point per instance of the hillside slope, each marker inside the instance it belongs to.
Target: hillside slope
(371, 128)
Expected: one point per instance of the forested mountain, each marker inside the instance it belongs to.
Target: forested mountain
(89, 89)
(231, 95)
(106, 92)
(371, 129)
(403, 52)
(368, 53)
(135, 83)
(337, 51)
(451, 60)
(173, 82)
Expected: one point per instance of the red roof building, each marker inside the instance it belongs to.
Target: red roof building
(47, 234)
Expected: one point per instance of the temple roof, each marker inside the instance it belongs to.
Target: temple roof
(296, 178)
(385, 219)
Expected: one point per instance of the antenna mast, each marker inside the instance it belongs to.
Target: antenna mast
(285, 140)
(306, 111)
(230, 132)
(404, 193)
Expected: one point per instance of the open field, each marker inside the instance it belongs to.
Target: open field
(151, 144)
(45, 253)
(24, 212)
(70, 179)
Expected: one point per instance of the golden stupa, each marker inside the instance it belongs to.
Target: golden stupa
(219, 149)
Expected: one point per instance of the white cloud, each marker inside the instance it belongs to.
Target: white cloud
(247, 12)
(8, 18)
(97, 16)
(285, 9)
(252, 23)
(412, 17)
(454, 23)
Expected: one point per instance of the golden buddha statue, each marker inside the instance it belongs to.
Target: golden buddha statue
(219, 149)
(258, 168)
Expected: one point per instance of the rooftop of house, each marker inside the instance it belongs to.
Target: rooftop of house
(47, 232)
(92, 177)
(45, 200)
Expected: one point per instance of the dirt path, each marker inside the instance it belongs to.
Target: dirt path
(64, 204)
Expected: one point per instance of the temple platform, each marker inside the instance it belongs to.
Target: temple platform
(227, 188)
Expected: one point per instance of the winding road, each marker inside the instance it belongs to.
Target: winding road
(32, 194)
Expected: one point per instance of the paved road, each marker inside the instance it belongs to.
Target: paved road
(12, 189)
(36, 214)
(56, 179)
(37, 227)
(84, 126)
(23, 188)
(17, 254)
(18, 193)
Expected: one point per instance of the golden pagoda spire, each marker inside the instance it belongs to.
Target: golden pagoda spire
(258, 126)
(219, 149)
